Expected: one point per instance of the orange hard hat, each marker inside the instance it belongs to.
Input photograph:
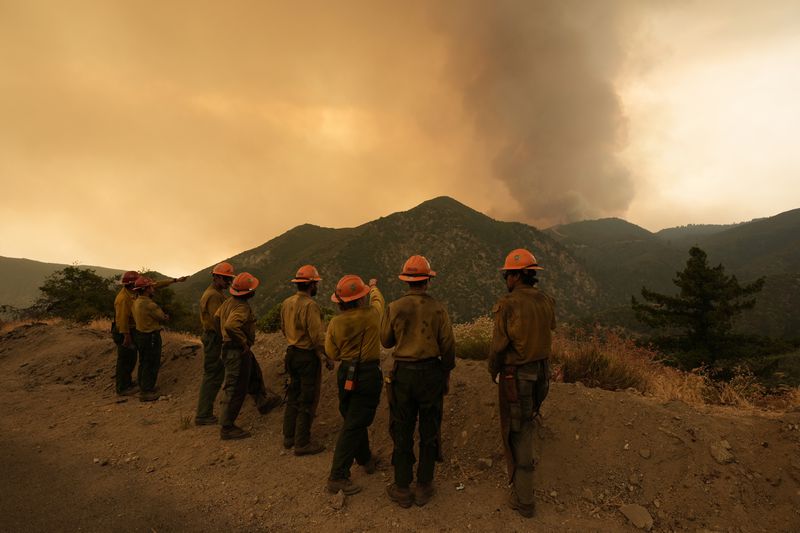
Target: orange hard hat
(349, 288)
(244, 283)
(521, 259)
(417, 268)
(129, 277)
(142, 282)
(224, 269)
(305, 274)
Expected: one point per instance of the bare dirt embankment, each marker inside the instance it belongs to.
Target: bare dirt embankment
(75, 457)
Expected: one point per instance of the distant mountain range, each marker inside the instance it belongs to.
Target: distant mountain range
(20, 279)
(591, 267)
(622, 257)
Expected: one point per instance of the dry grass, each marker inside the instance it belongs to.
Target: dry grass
(6, 326)
(473, 338)
(606, 359)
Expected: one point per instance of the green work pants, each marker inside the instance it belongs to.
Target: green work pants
(357, 408)
(303, 368)
(149, 345)
(242, 377)
(213, 373)
(531, 394)
(417, 391)
(126, 362)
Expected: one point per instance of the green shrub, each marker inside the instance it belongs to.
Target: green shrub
(75, 293)
(271, 321)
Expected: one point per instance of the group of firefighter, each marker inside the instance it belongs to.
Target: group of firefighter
(416, 325)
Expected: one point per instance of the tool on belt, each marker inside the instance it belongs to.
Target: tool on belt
(351, 380)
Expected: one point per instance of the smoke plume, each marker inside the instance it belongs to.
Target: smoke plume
(537, 80)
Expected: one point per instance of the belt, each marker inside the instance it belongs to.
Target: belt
(417, 365)
(363, 364)
(292, 348)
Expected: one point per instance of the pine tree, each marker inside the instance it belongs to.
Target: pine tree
(704, 311)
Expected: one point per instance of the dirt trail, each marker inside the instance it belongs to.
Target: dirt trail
(76, 458)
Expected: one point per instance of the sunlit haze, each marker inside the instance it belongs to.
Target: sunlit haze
(171, 135)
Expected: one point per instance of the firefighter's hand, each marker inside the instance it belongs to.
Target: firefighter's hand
(328, 363)
(373, 282)
(128, 341)
(496, 378)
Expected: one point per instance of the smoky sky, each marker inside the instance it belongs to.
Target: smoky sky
(174, 134)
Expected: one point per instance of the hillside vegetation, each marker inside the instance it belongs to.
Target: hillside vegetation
(465, 247)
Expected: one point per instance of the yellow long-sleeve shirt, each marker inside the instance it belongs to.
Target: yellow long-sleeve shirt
(419, 326)
(523, 324)
(211, 300)
(123, 310)
(301, 322)
(237, 323)
(123, 306)
(357, 331)
(147, 314)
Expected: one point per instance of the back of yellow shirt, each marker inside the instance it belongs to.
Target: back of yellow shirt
(301, 322)
(357, 331)
(237, 323)
(419, 327)
(523, 323)
(123, 310)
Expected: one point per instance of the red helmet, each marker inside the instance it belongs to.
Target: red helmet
(142, 282)
(521, 259)
(305, 274)
(349, 288)
(224, 269)
(417, 268)
(244, 283)
(129, 277)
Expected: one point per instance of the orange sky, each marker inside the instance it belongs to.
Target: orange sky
(170, 135)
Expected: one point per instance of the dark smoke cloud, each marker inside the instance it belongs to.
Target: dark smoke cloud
(537, 79)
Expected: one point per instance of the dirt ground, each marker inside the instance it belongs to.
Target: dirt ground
(75, 457)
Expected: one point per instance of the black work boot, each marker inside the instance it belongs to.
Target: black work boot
(205, 420)
(423, 492)
(400, 496)
(345, 485)
(526, 510)
(312, 448)
(233, 433)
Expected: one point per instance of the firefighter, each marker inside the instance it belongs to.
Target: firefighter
(123, 331)
(418, 327)
(149, 318)
(213, 365)
(301, 324)
(237, 324)
(518, 361)
(353, 337)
